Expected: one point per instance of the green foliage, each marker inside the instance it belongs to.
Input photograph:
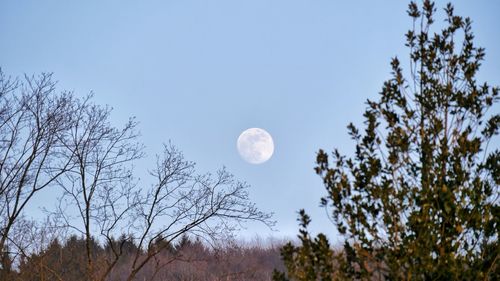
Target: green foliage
(419, 199)
(311, 261)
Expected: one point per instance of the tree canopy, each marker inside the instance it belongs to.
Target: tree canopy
(419, 198)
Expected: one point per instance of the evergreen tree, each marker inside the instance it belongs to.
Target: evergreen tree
(313, 260)
(419, 198)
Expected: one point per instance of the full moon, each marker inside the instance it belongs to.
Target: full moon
(255, 145)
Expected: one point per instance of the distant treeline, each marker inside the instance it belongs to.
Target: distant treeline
(187, 259)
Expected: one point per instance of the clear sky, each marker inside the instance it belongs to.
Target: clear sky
(200, 72)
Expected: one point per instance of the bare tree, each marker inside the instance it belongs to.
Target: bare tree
(33, 119)
(110, 203)
(182, 201)
(100, 184)
(56, 140)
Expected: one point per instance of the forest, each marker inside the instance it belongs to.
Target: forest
(187, 259)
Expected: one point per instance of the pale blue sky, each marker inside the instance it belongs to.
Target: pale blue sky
(200, 72)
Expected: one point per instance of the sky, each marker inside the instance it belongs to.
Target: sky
(198, 73)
